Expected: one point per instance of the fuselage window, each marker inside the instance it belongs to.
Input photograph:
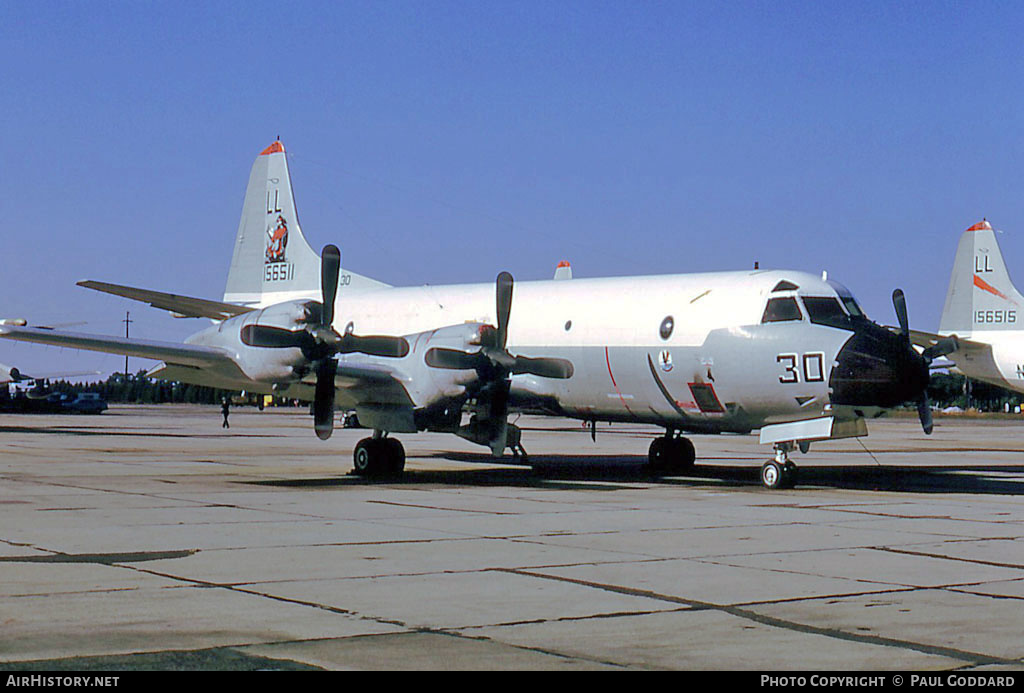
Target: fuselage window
(824, 310)
(667, 325)
(782, 310)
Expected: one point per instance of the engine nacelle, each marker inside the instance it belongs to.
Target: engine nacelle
(434, 389)
(268, 365)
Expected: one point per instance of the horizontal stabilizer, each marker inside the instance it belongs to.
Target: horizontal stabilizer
(184, 306)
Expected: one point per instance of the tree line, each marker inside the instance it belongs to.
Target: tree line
(139, 389)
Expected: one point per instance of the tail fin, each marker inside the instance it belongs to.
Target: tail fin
(272, 261)
(981, 295)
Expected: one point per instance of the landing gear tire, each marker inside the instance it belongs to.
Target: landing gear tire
(376, 457)
(776, 475)
(395, 455)
(671, 455)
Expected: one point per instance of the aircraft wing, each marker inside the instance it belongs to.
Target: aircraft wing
(183, 306)
(359, 384)
(172, 352)
(10, 374)
(370, 383)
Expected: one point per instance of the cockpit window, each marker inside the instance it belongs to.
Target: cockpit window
(848, 300)
(781, 310)
(825, 310)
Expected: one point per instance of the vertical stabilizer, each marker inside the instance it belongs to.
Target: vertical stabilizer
(272, 261)
(981, 296)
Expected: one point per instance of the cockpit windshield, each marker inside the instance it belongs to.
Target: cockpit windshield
(781, 310)
(825, 310)
(852, 307)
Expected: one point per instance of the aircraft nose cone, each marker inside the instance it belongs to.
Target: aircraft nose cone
(877, 368)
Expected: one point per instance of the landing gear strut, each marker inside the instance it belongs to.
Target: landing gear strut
(671, 454)
(779, 472)
(379, 456)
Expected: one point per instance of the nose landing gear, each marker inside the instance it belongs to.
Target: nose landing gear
(780, 472)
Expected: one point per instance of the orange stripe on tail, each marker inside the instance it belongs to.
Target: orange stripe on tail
(985, 286)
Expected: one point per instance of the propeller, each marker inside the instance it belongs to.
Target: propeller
(944, 346)
(319, 342)
(496, 365)
(493, 353)
(278, 337)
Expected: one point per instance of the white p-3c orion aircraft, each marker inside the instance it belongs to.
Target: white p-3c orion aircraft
(786, 352)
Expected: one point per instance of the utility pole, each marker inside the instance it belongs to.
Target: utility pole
(127, 321)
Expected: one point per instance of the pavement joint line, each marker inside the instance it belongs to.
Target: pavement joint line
(899, 586)
(433, 507)
(99, 558)
(337, 610)
(573, 619)
(451, 632)
(750, 615)
(446, 632)
(339, 544)
(925, 554)
(287, 600)
(987, 595)
(455, 632)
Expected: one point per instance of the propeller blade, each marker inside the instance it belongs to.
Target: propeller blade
(504, 301)
(943, 347)
(544, 367)
(899, 302)
(274, 337)
(374, 345)
(499, 417)
(452, 359)
(924, 412)
(323, 402)
(330, 266)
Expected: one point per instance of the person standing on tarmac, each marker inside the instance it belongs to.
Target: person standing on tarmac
(225, 409)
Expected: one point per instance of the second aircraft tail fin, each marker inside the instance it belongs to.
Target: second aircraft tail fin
(981, 295)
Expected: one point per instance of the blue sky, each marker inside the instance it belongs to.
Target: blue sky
(442, 142)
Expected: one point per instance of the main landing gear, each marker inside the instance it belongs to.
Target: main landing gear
(671, 454)
(779, 472)
(379, 456)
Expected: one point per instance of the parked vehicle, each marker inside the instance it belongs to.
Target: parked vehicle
(85, 403)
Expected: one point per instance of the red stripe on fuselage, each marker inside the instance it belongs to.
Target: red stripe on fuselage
(608, 361)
